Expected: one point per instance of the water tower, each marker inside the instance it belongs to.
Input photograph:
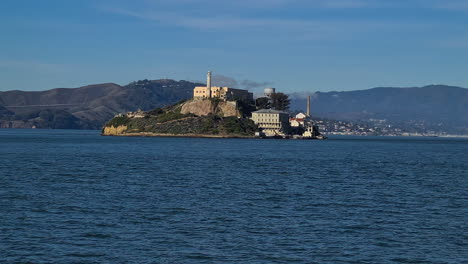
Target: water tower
(267, 92)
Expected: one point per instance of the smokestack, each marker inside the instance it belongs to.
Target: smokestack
(308, 106)
(208, 84)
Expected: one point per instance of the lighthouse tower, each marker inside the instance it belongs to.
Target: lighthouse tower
(208, 84)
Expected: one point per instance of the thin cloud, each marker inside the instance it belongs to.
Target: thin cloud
(346, 4)
(302, 95)
(223, 23)
(451, 5)
(229, 3)
(249, 84)
(210, 23)
(221, 80)
(456, 42)
(208, 6)
(269, 4)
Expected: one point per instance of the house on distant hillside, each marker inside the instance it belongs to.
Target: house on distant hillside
(138, 114)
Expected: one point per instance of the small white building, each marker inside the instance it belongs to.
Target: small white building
(294, 122)
(301, 116)
(302, 120)
(138, 114)
(308, 129)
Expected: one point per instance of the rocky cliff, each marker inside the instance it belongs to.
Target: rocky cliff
(210, 107)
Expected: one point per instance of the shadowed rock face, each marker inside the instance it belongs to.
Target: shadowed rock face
(207, 107)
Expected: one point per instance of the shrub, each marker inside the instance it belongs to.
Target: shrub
(156, 111)
(118, 121)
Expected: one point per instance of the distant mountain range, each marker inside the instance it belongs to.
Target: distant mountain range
(441, 105)
(89, 107)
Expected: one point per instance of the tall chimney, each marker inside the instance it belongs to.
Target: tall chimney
(208, 84)
(308, 106)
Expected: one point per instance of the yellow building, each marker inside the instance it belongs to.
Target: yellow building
(223, 93)
(272, 122)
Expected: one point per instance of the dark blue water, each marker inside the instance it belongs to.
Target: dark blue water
(77, 197)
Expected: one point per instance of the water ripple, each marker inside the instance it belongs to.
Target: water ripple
(76, 197)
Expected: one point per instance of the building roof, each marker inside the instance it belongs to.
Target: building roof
(269, 111)
(296, 119)
(230, 88)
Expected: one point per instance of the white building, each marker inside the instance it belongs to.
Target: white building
(294, 122)
(272, 122)
(301, 116)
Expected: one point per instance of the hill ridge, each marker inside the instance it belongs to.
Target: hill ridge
(92, 105)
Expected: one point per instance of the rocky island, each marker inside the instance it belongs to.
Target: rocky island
(216, 111)
(192, 118)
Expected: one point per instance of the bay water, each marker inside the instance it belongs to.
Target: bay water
(71, 196)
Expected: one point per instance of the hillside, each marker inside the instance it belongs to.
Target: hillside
(87, 107)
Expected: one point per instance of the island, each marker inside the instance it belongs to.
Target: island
(218, 112)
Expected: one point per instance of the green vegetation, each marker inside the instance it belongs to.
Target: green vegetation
(245, 108)
(278, 101)
(239, 126)
(118, 121)
(169, 116)
(170, 120)
(156, 111)
(262, 103)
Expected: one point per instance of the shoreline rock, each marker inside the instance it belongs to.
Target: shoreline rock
(150, 134)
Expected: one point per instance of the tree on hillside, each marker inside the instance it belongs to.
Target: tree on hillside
(262, 103)
(280, 101)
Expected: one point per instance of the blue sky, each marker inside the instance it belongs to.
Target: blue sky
(293, 45)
